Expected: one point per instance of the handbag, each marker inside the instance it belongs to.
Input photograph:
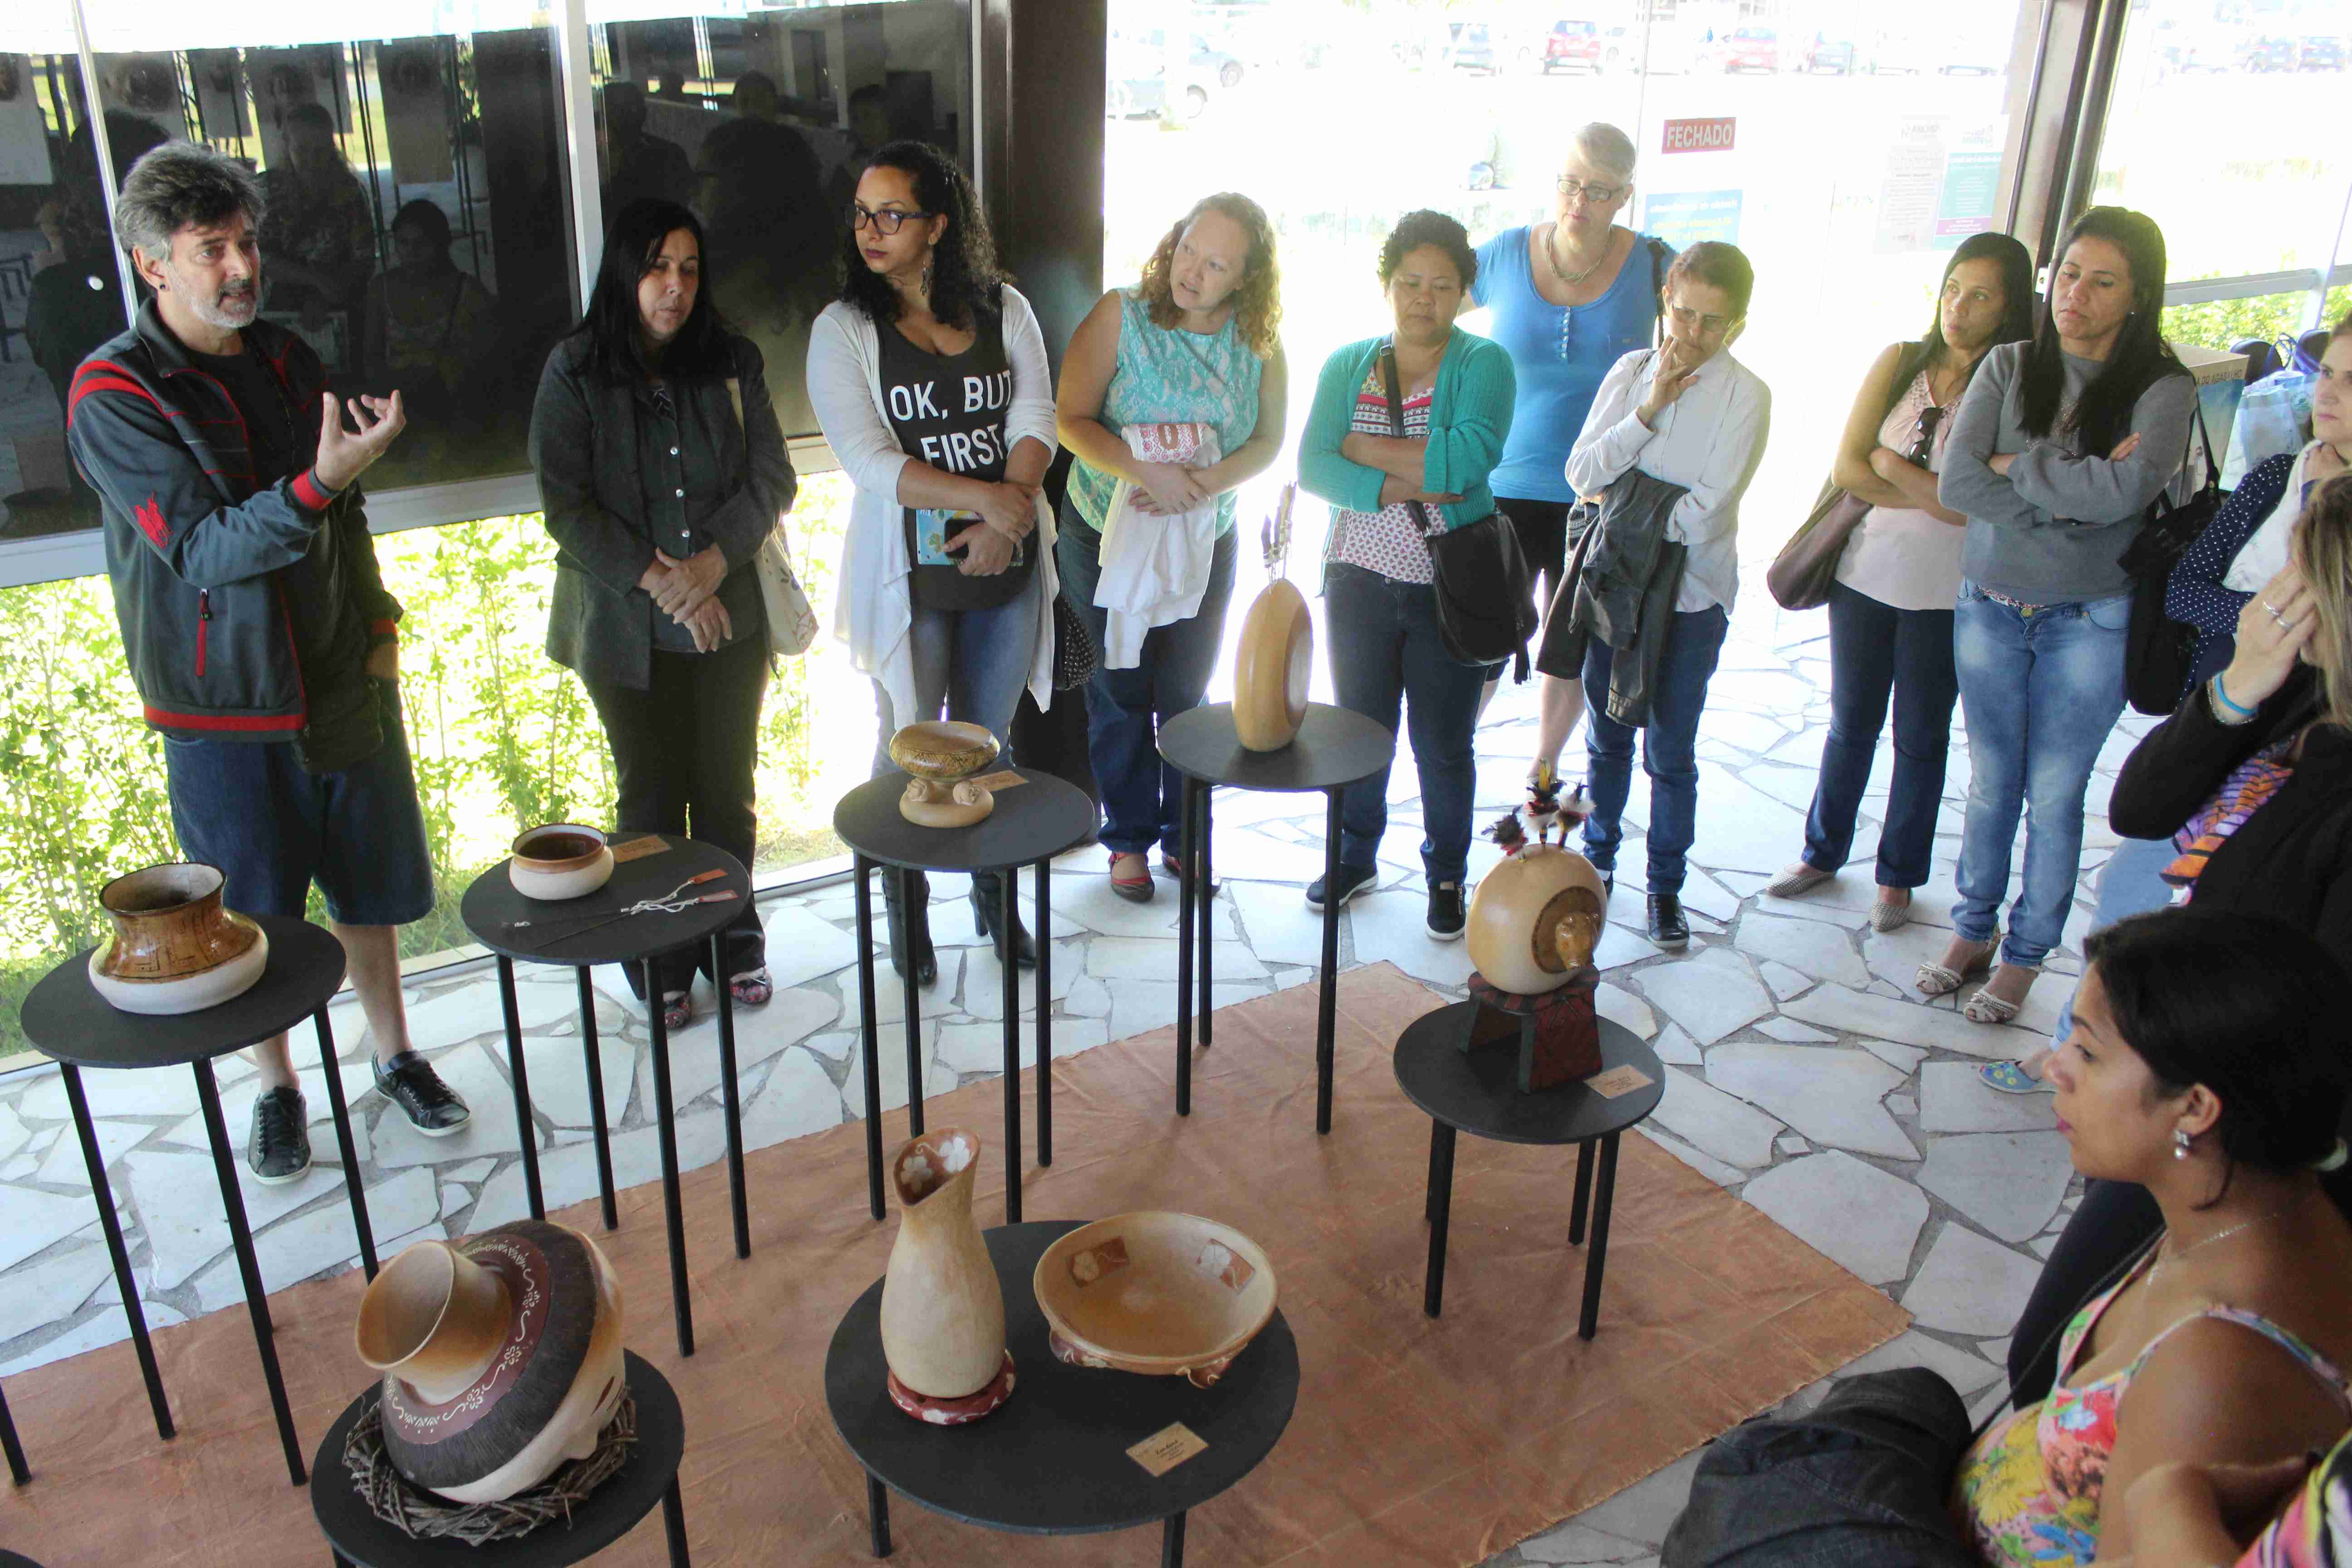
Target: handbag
(792, 622)
(1800, 575)
(1076, 656)
(2159, 651)
(1486, 595)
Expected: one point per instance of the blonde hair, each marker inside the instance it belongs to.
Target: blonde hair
(2323, 553)
(1607, 148)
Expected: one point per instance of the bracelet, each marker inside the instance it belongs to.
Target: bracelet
(2222, 699)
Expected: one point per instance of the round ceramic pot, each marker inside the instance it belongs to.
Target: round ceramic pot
(1272, 669)
(175, 949)
(560, 860)
(1535, 920)
(942, 1310)
(1168, 1294)
(500, 1356)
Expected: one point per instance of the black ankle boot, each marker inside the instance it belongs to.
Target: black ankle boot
(987, 900)
(909, 922)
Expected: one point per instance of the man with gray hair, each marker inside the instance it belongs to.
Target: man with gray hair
(257, 627)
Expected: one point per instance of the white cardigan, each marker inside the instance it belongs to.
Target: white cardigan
(872, 613)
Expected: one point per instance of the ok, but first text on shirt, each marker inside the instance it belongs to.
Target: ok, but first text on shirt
(957, 451)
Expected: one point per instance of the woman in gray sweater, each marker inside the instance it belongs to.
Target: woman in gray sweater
(2060, 446)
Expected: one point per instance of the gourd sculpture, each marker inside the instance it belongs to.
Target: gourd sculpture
(943, 1309)
(1277, 648)
(1533, 925)
(944, 756)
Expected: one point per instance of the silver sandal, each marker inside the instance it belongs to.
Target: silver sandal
(1936, 980)
(1984, 1007)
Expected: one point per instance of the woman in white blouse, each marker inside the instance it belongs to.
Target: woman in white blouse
(1690, 415)
(929, 377)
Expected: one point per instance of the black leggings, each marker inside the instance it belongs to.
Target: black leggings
(1542, 530)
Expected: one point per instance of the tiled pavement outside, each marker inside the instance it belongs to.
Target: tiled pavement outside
(1808, 1078)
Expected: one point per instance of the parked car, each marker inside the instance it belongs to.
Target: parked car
(1897, 54)
(1139, 85)
(1573, 42)
(2319, 52)
(1624, 48)
(1823, 53)
(1971, 57)
(1472, 49)
(2263, 53)
(1746, 49)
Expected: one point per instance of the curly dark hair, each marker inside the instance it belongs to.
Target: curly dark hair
(1416, 229)
(966, 281)
(1257, 302)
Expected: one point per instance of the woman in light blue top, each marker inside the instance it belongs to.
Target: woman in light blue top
(1193, 342)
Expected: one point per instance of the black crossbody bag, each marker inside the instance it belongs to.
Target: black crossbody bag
(1486, 595)
(2159, 651)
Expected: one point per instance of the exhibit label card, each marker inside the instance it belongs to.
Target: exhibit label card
(1618, 1081)
(1167, 1448)
(638, 849)
(1007, 779)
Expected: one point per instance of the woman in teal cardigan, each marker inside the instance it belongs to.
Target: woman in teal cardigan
(1386, 491)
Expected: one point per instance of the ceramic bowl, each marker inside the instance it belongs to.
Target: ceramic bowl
(1165, 1294)
(167, 995)
(560, 860)
(944, 751)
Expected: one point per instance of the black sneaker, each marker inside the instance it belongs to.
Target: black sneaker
(278, 1149)
(1446, 918)
(1667, 927)
(1353, 879)
(432, 1107)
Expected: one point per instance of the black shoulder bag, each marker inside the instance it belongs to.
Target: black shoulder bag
(2159, 651)
(1486, 595)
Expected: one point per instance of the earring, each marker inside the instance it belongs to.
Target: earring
(2181, 1144)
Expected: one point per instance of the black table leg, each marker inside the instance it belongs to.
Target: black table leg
(1009, 880)
(112, 1227)
(343, 1143)
(731, 1096)
(256, 1301)
(1599, 1255)
(596, 1098)
(1429, 1193)
(868, 1037)
(1441, 1194)
(1044, 1021)
(1171, 1541)
(1185, 893)
(1327, 1018)
(1205, 902)
(1583, 1193)
(674, 1524)
(672, 1210)
(526, 1129)
(18, 1469)
(877, 1514)
(914, 1011)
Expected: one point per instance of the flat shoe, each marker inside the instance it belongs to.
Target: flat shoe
(2010, 1077)
(753, 988)
(1935, 980)
(1887, 915)
(1134, 890)
(677, 1010)
(1796, 881)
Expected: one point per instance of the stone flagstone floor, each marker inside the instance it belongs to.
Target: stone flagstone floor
(1807, 1076)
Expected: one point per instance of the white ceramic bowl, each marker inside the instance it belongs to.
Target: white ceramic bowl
(551, 863)
(186, 992)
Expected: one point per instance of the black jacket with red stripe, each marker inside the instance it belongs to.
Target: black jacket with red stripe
(205, 555)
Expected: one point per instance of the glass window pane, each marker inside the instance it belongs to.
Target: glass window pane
(60, 293)
(757, 117)
(416, 232)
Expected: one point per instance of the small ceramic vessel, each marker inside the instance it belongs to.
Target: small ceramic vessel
(944, 756)
(1168, 1294)
(942, 1310)
(1535, 920)
(175, 949)
(560, 860)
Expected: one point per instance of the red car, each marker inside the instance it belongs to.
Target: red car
(1573, 43)
(1748, 49)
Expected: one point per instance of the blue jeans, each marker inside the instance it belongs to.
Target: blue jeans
(1877, 651)
(1669, 747)
(1142, 797)
(1386, 653)
(974, 663)
(2040, 693)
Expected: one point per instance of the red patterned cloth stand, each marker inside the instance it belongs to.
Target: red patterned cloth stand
(1557, 1036)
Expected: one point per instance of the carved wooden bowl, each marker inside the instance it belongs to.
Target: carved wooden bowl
(1165, 1294)
(944, 750)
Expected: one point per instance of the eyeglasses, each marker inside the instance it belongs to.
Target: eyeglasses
(1923, 447)
(1691, 320)
(1599, 195)
(886, 221)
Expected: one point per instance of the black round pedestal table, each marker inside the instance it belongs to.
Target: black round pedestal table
(647, 1476)
(1335, 747)
(1053, 1459)
(65, 1016)
(1031, 822)
(1478, 1093)
(581, 933)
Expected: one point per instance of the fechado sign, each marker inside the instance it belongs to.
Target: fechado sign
(1700, 135)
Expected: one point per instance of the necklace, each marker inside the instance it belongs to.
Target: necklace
(1570, 279)
(2223, 1234)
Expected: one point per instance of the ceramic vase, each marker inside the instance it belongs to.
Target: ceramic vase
(175, 949)
(1535, 920)
(560, 860)
(500, 1356)
(942, 1310)
(944, 756)
(1272, 669)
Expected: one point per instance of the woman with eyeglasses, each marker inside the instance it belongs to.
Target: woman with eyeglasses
(1891, 606)
(929, 377)
(1568, 299)
(2060, 445)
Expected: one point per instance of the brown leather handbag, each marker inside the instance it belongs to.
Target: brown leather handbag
(1800, 575)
